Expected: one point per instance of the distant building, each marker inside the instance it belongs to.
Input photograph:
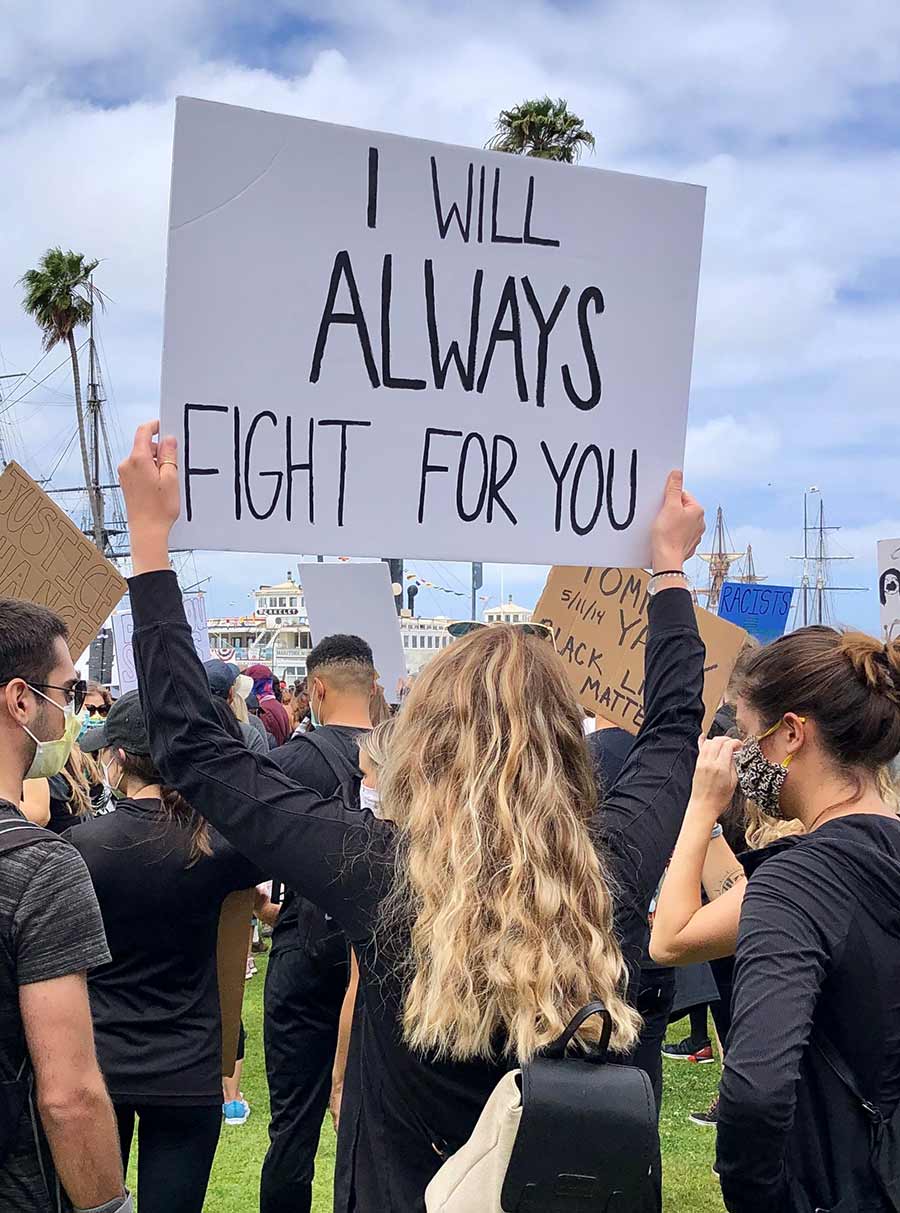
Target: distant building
(422, 638)
(507, 612)
(277, 633)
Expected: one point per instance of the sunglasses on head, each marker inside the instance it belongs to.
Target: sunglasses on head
(464, 626)
(97, 709)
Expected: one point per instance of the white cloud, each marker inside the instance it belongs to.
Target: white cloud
(777, 110)
(731, 449)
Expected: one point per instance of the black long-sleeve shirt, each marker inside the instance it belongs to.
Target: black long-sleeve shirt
(818, 954)
(344, 861)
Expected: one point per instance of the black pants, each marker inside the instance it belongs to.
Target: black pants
(176, 1148)
(656, 993)
(303, 998)
(723, 972)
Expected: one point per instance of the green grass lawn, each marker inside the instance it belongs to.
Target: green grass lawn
(688, 1151)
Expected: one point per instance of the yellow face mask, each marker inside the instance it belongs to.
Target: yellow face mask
(51, 756)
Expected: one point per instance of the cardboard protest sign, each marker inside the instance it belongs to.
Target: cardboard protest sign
(599, 616)
(471, 354)
(44, 558)
(123, 627)
(761, 610)
(231, 966)
(889, 587)
(358, 599)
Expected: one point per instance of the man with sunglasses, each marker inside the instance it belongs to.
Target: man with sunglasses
(58, 1142)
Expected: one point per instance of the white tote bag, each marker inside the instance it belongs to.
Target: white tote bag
(471, 1180)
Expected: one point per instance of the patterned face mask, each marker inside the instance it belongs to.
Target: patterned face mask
(760, 779)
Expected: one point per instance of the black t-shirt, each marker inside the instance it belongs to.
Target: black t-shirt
(50, 927)
(608, 749)
(156, 1004)
(300, 923)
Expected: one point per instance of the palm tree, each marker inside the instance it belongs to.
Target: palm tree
(544, 128)
(60, 296)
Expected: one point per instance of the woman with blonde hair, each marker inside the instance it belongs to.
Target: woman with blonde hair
(493, 901)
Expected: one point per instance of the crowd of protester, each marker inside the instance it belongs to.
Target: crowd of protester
(449, 886)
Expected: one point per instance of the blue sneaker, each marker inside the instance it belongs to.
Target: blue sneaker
(237, 1112)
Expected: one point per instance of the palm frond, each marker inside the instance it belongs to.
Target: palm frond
(59, 294)
(543, 128)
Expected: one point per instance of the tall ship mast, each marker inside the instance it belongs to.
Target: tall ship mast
(720, 560)
(749, 575)
(813, 604)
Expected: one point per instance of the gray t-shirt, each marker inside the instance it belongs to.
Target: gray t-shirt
(50, 926)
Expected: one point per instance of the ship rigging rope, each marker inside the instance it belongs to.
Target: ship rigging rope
(9, 404)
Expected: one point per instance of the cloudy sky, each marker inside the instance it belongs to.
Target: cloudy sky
(788, 112)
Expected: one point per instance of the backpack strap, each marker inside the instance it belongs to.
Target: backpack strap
(338, 763)
(16, 832)
(883, 1131)
(840, 1068)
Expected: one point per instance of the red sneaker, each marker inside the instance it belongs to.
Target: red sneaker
(703, 1057)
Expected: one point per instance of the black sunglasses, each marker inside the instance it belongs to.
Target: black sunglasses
(463, 627)
(75, 694)
(95, 709)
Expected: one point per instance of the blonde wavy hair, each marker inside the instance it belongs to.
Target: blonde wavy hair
(80, 771)
(499, 886)
(763, 829)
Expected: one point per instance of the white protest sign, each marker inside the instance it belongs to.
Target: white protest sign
(358, 599)
(889, 587)
(373, 341)
(123, 628)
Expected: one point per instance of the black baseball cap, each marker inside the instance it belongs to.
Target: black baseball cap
(123, 729)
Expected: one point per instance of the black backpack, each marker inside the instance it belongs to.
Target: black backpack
(588, 1136)
(15, 1093)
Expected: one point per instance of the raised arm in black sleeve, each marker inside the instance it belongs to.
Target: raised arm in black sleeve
(332, 854)
(641, 814)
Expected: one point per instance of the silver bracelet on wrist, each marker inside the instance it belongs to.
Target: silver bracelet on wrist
(654, 585)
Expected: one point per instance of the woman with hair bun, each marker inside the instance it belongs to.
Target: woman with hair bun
(816, 1006)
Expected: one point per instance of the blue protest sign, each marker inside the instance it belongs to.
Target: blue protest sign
(762, 610)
